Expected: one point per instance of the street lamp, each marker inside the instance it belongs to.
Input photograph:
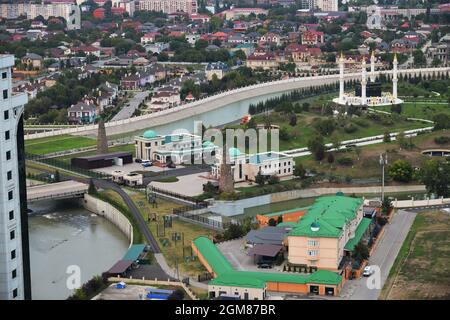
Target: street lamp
(383, 163)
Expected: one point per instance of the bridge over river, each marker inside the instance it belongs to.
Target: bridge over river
(56, 191)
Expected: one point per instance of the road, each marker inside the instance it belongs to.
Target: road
(383, 256)
(129, 108)
(178, 172)
(134, 210)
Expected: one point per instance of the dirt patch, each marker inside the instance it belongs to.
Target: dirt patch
(425, 272)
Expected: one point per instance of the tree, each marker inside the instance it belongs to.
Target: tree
(317, 147)
(325, 126)
(441, 121)
(272, 222)
(178, 294)
(419, 58)
(401, 170)
(233, 231)
(330, 158)
(273, 179)
(280, 219)
(435, 175)
(293, 119)
(57, 176)
(387, 137)
(299, 170)
(92, 190)
(260, 179)
(361, 252)
(358, 152)
(386, 205)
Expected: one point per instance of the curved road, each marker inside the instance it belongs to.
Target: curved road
(134, 211)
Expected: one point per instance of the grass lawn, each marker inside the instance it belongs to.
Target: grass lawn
(125, 148)
(367, 166)
(57, 143)
(174, 251)
(421, 110)
(167, 179)
(422, 267)
(303, 131)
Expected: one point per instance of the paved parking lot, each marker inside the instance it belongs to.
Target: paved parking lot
(130, 292)
(234, 252)
(190, 185)
(131, 167)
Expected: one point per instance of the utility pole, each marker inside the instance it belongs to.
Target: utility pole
(383, 163)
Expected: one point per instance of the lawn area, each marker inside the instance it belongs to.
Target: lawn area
(422, 267)
(173, 252)
(57, 143)
(421, 110)
(367, 166)
(345, 128)
(125, 148)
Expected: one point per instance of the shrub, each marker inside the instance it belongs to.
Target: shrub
(273, 180)
(345, 161)
(442, 140)
(350, 128)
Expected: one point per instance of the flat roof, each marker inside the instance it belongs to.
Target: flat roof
(134, 252)
(120, 266)
(362, 227)
(105, 156)
(227, 276)
(267, 250)
(280, 213)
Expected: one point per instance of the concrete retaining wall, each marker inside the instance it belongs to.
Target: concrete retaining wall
(110, 213)
(233, 208)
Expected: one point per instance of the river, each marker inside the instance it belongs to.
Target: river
(63, 233)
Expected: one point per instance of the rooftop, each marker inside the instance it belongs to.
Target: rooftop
(331, 213)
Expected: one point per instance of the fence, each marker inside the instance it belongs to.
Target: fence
(175, 195)
(66, 166)
(193, 214)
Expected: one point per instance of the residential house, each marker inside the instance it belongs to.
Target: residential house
(33, 61)
(82, 113)
(217, 69)
(149, 37)
(312, 38)
(262, 59)
(270, 39)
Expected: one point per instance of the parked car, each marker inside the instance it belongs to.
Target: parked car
(265, 266)
(146, 163)
(368, 271)
(138, 160)
(171, 165)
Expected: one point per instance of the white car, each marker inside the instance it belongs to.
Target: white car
(368, 271)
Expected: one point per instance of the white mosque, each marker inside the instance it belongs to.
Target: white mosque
(368, 93)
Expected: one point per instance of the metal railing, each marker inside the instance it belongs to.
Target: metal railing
(65, 166)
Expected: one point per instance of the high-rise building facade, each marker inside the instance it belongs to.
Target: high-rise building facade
(66, 9)
(168, 6)
(327, 5)
(14, 246)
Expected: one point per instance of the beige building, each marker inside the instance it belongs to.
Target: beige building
(330, 229)
(168, 6)
(129, 179)
(176, 148)
(246, 168)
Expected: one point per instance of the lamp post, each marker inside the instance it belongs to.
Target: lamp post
(383, 163)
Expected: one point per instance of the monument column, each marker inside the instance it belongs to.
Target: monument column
(341, 78)
(363, 82)
(394, 78)
(372, 67)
